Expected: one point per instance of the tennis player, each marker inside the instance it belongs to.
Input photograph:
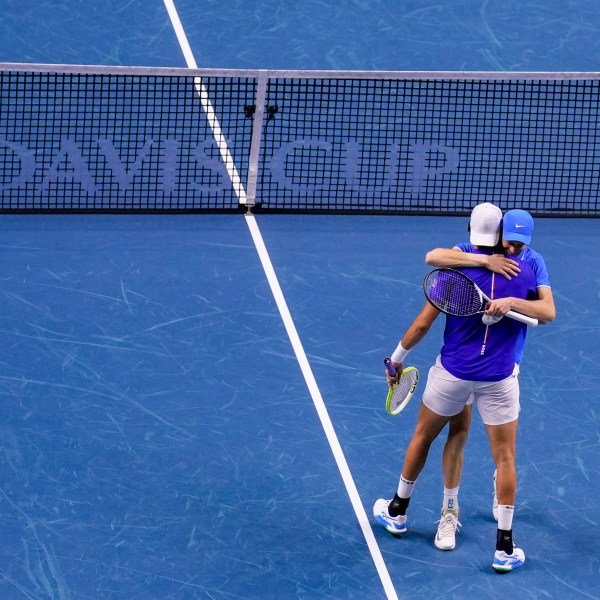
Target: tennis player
(485, 226)
(477, 364)
(517, 230)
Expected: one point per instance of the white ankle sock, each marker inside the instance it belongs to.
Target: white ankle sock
(450, 498)
(505, 516)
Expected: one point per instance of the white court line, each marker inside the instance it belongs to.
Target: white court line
(313, 388)
(311, 383)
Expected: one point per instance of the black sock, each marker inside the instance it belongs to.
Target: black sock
(398, 506)
(504, 540)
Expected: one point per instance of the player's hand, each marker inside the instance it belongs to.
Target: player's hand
(392, 379)
(499, 263)
(499, 307)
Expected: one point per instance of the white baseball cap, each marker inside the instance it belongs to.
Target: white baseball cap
(485, 223)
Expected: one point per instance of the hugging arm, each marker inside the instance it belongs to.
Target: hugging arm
(542, 309)
(455, 257)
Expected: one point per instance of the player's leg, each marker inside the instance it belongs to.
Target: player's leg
(444, 397)
(452, 458)
(503, 442)
(392, 513)
(498, 404)
(428, 427)
(503, 439)
(495, 497)
(452, 462)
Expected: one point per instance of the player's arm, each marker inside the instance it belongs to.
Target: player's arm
(542, 309)
(455, 257)
(413, 335)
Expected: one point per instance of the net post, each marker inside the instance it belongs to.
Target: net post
(253, 159)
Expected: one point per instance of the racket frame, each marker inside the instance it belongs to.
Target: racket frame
(392, 371)
(511, 314)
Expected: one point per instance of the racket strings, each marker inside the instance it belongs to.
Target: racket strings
(405, 387)
(453, 293)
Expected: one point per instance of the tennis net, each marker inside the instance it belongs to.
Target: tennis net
(138, 139)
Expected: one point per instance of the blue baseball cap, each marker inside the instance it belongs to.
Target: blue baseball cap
(517, 226)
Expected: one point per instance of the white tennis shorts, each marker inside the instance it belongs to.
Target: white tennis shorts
(497, 401)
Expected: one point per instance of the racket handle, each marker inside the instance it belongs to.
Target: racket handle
(390, 367)
(522, 318)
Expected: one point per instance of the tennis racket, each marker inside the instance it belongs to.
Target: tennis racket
(453, 293)
(401, 392)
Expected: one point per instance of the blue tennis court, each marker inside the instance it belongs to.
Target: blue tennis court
(162, 435)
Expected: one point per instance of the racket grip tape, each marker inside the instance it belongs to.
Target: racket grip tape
(389, 366)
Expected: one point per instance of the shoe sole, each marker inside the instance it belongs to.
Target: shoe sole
(507, 566)
(506, 569)
(389, 528)
(445, 548)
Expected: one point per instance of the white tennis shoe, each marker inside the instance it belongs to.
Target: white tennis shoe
(445, 538)
(395, 525)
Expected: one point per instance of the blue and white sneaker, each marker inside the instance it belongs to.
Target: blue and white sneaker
(503, 563)
(395, 525)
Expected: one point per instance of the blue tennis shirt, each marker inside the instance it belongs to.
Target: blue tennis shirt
(478, 352)
(536, 261)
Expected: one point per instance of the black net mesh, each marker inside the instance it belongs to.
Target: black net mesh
(106, 142)
(120, 142)
(436, 146)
